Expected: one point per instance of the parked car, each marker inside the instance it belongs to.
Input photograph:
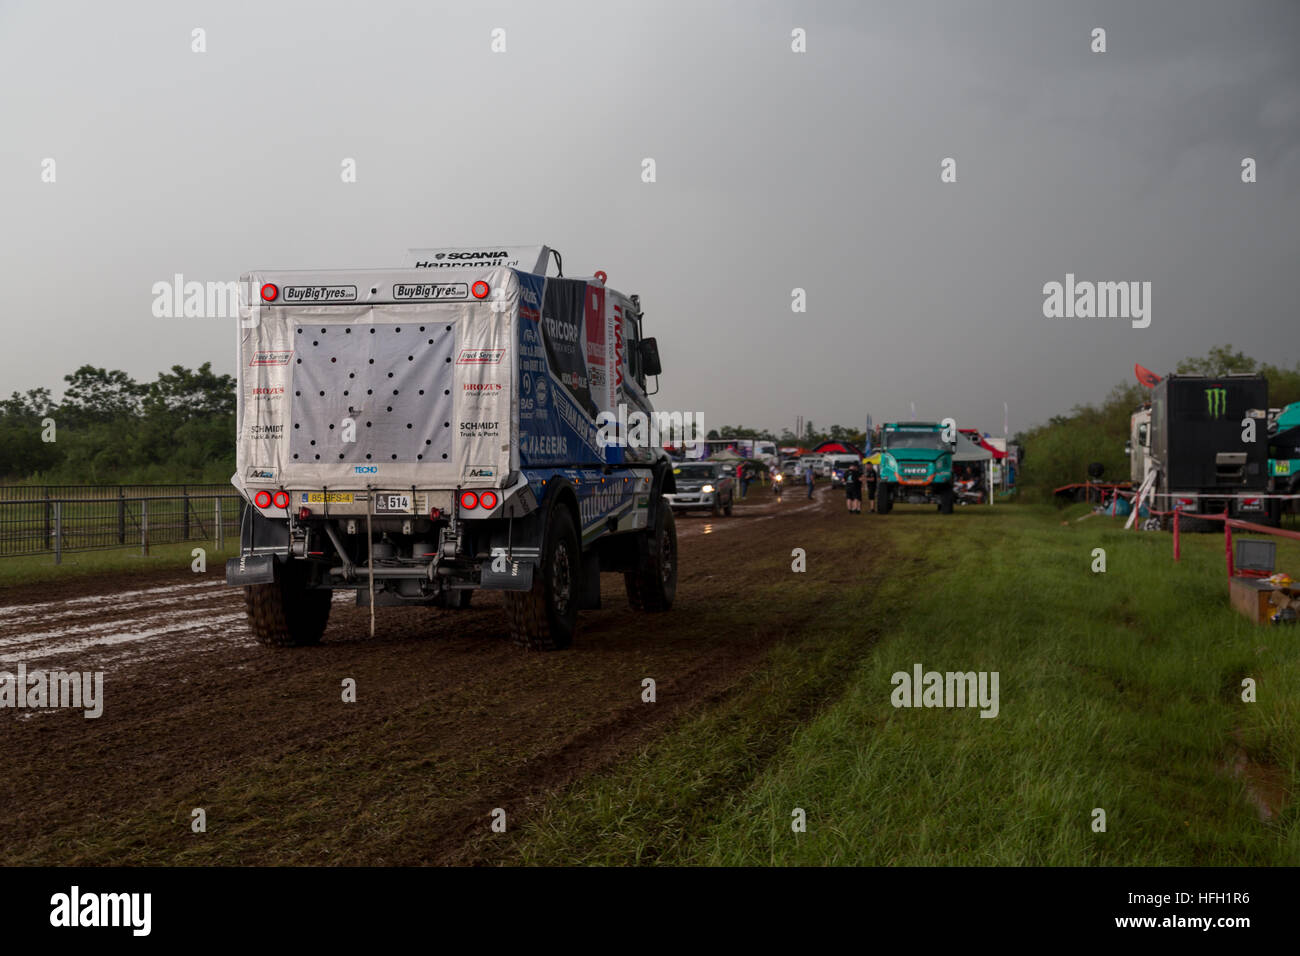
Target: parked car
(703, 486)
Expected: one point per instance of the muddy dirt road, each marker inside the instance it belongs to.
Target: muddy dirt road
(450, 720)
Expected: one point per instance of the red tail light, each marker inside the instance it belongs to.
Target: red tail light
(269, 292)
(304, 514)
(435, 514)
(262, 499)
(281, 499)
(479, 289)
(468, 501)
(488, 500)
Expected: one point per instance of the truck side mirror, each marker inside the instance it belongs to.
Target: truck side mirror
(1128, 449)
(650, 357)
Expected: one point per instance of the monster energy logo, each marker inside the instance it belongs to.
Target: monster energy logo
(1216, 400)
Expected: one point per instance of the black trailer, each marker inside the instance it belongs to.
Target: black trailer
(1199, 444)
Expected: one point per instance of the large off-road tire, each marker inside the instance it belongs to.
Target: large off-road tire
(653, 586)
(945, 500)
(884, 498)
(545, 617)
(287, 613)
(731, 500)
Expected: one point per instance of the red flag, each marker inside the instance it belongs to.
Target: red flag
(1146, 377)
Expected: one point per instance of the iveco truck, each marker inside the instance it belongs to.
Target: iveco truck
(416, 434)
(915, 466)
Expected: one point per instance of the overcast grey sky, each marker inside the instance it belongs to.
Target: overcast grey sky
(775, 170)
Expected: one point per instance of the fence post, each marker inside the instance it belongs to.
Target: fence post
(185, 520)
(216, 519)
(46, 489)
(1227, 541)
(144, 527)
(58, 532)
(121, 515)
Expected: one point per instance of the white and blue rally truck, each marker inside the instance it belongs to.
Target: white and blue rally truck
(420, 433)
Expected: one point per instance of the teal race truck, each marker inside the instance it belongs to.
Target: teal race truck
(915, 466)
(1283, 459)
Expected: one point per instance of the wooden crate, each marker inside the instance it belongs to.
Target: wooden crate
(1251, 596)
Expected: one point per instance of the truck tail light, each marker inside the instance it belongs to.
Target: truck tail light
(469, 501)
(488, 500)
(435, 514)
(262, 499)
(269, 292)
(281, 499)
(479, 289)
(304, 513)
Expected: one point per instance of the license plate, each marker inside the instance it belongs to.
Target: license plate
(1284, 468)
(327, 497)
(392, 504)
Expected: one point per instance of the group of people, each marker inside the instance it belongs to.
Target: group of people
(857, 476)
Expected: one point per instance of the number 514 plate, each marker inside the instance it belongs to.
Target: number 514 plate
(392, 504)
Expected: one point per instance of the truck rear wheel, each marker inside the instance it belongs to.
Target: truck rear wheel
(653, 585)
(545, 617)
(884, 498)
(287, 613)
(945, 500)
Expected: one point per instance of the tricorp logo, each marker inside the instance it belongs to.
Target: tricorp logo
(1216, 401)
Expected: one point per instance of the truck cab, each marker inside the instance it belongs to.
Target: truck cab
(915, 466)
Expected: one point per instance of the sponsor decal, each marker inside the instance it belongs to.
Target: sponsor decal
(268, 394)
(271, 358)
(480, 473)
(365, 469)
(261, 474)
(618, 345)
(546, 446)
(327, 497)
(1216, 401)
(540, 394)
(266, 432)
(482, 387)
(480, 356)
(530, 306)
(430, 291)
(483, 429)
(319, 293)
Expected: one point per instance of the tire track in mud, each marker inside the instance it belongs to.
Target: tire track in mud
(194, 706)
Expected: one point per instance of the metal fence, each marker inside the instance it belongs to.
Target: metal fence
(52, 519)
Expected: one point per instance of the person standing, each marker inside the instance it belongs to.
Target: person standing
(809, 477)
(872, 478)
(853, 489)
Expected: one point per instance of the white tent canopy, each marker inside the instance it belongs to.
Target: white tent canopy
(968, 450)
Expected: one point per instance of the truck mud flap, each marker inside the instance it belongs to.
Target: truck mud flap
(250, 569)
(516, 576)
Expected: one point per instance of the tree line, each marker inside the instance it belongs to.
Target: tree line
(109, 428)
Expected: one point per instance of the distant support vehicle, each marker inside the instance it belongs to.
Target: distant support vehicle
(703, 486)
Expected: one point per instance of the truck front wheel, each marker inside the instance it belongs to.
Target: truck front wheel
(286, 612)
(653, 585)
(545, 617)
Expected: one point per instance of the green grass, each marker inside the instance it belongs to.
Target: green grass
(41, 569)
(1118, 691)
